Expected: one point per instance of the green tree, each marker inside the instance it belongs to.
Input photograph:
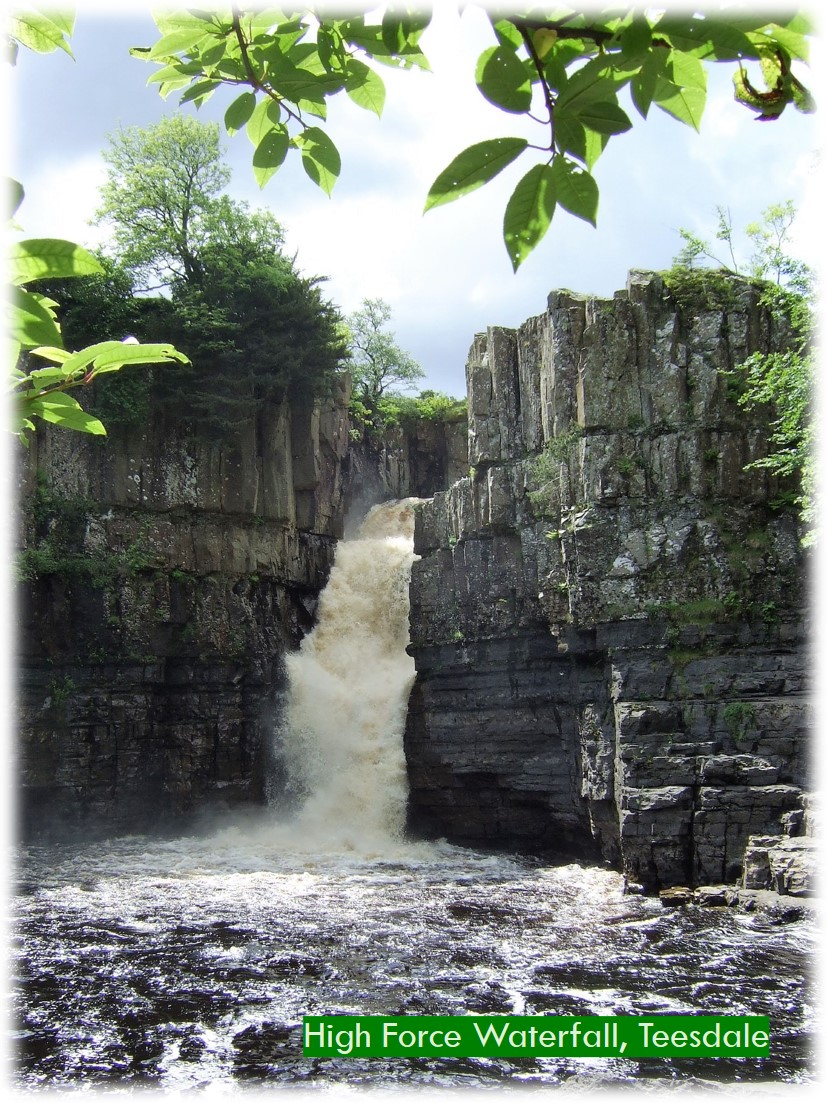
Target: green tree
(565, 72)
(378, 364)
(254, 328)
(696, 249)
(770, 259)
(160, 195)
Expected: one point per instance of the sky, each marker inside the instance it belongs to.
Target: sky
(446, 274)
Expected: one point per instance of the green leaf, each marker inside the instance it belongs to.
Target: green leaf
(504, 79)
(30, 322)
(636, 39)
(42, 377)
(644, 83)
(39, 258)
(507, 34)
(64, 20)
(687, 71)
(41, 33)
(528, 213)
(570, 136)
(557, 61)
(181, 40)
(707, 38)
(595, 144)
(113, 355)
(62, 409)
(107, 356)
(200, 92)
(320, 158)
(239, 112)
(170, 20)
(270, 154)
(299, 84)
(683, 93)
(402, 30)
(684, 104)
(266, 116)
(604, 117)
(51, 352)
(365, 87)
(14, 197)
(472, 168)
(586, 86)
(171, 78)
(576, 190)
(369, 39)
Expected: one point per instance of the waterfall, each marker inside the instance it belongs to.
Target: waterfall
(348, 690)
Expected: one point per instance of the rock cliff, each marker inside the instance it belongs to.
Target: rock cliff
(608, 616)
(410, 461)
(164, 580)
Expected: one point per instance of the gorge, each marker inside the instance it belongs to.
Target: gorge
(608, 615)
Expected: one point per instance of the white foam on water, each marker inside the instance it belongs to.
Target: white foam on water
(349, 686)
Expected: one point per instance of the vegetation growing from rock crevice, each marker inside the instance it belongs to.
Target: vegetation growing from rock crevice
(545, 468)
(58, 547)
(779, 382)
(700, 289)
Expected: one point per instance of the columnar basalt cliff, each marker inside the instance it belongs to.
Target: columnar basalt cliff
(410, 461)
(608, 616)
(166, 579)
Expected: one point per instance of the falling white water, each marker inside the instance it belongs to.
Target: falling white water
(348, 690)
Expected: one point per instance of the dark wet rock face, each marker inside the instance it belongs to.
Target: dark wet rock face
(166, 576)
(608, 616)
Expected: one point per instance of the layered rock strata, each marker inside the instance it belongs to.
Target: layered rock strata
(608, 615)
(163, 581)
(410, 461)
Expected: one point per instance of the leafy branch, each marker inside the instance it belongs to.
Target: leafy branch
(295, 64)
(41, 392)
(32, 326)
(575, 64)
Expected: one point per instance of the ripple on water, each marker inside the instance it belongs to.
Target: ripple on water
(191, 961)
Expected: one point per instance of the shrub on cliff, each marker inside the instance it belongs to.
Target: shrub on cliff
(780, 382)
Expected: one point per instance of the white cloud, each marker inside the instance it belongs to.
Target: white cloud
(61, 199)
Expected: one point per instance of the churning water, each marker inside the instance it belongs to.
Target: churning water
(188, 963)
(349, 687)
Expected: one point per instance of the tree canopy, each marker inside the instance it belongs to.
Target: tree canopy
(564, 72)
(378, 363)
(252, 326)
(159, 196)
